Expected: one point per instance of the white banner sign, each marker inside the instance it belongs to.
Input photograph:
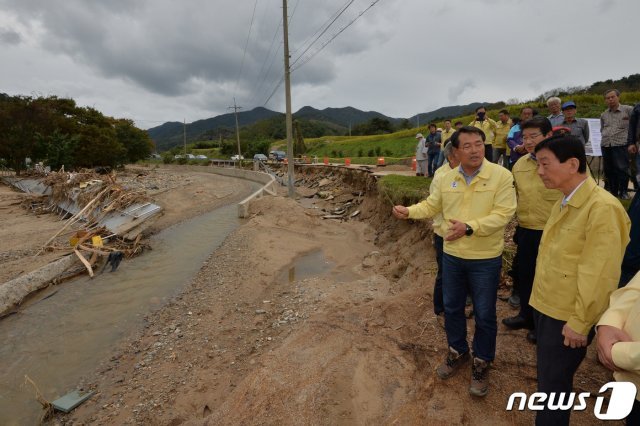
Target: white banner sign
(592, 147)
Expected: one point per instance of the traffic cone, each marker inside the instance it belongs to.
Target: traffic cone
(414, 164)
(326, 161)
(380, 161)
(347, 162)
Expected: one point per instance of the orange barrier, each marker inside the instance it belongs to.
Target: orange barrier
(347, 161)
(326, 161)
(414, 164)
(380, 161)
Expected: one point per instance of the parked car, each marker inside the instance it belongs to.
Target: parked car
(237, 157)
(278, 155)
(201, 157)
(191, 156)
(260, 157)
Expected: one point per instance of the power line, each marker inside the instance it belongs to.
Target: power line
(332, 38)
(275, 89)
(245, 47)
(262, 77)
(325, 25)
(339, 13)
(333, 15)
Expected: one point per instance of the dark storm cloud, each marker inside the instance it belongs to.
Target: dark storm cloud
(170, 47)
(8, 36)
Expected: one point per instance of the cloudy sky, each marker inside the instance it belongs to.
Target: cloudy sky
(161, 60)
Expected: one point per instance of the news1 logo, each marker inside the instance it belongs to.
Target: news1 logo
(623, 394)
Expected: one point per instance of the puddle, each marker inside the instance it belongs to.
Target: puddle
(58, 340)
(313, 264)
(308, 203)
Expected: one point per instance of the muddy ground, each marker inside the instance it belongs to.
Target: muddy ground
(248, 343)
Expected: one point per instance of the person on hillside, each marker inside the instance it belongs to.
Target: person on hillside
(618, 340)
(476, 200)
(535, 202)
(614, 127)
(514, 140)
(579, 126)
(433, 142)
(444, 137)
(488, 126)
(438, 231)
(503, 126)
(578, 266)
(421, 156)
(555, 111)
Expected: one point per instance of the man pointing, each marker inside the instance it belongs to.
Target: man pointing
(477, 199)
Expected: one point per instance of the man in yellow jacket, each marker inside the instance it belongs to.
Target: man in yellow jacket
(488, 126)
(578, 266)
(503, 126)
(476, 200)
(535, 203)
(619, 339)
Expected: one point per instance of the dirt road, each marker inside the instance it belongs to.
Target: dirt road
(249, 343)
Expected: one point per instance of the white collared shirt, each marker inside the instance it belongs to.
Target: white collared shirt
(566, 199)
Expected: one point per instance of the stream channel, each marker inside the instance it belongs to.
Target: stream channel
(63, 338)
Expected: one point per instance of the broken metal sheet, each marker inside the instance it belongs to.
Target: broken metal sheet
(118, 222)
(71, 400)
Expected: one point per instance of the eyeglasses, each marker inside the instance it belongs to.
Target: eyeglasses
(531, 137)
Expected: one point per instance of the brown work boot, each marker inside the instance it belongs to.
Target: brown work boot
(479, 385)
(452, 363)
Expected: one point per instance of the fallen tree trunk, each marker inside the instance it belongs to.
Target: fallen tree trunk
(13, 292)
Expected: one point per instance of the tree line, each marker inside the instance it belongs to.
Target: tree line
(58, 132)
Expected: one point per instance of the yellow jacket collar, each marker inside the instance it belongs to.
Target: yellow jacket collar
(583, 193)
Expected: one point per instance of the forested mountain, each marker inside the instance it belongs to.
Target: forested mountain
(330, 121)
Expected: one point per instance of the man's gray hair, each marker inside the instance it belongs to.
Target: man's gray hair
(447, 151)
(553, 99)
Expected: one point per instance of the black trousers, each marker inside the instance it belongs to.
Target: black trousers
(528, 244)
(488, 152)
(615, 161)
(557, 364)
(438, 301)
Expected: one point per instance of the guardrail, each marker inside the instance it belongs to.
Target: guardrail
(6, 172)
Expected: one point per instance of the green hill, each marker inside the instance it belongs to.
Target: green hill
(400, 146)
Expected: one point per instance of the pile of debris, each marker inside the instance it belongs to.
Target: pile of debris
(102, 223)
(326, 193)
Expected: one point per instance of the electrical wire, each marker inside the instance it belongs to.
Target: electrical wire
(332, 38)
(244, 54)
(339, 13)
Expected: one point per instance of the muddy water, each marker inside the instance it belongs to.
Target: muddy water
(313, 264)
(62, 338)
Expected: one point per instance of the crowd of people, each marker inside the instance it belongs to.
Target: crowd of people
(575, 242)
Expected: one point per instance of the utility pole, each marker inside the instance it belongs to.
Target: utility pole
(184, 137)
(418, 121)
(287, 91)
(235, 110)
(349, 128)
